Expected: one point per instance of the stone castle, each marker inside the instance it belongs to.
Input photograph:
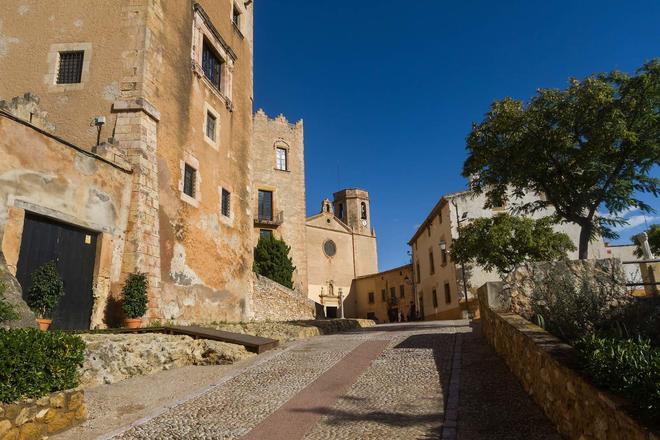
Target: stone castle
(132, 146)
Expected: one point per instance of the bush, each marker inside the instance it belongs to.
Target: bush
(7, 311)
(35, 363)
(271, 259)
(46, 290)
(572, 307)
(135, 296)
(630, 367)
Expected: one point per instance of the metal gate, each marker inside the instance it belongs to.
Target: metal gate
(73, 250)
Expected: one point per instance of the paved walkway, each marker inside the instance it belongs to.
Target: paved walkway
(431, 380)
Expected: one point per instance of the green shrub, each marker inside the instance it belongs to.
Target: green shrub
(46, 290)
(7, 311)
(630, 367)
(35, 363)
(135, 300)
(271, 259)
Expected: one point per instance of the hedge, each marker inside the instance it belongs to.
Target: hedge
(35, 363)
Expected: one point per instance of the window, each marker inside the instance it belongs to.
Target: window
(70, 67)
(447, 293)
(393, 293)
(435, 299)
(341, 211)
(189, 179)
(364, 211)
(212, 65)
(265, 205)
(371, 298)
(444, 256)
(431, 262)
(226, 203)
(402, 291)
(236, 16)
(382, 295)
(330, 248)
(281, 159)
(417, 272)
(265, 233)
(211, 125)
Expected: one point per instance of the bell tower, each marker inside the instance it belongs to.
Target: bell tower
(352, 207)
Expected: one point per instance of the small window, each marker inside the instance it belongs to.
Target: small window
(236, 16)
(265, 205)
(341, 211)
(330, 248)
(70, 67)
(371, 298)
(211, 125)
(212, 65)
(447, 293)
(265, 233)
(431, 262)
(418, 274)
(382, 295)
(364, 211)
(226, 203)
(435, 299)
(189, 179)
(444, 256)
(393, 293)
(402, 291)
(281, 159)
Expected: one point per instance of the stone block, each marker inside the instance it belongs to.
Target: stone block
(31, 431)
(5, 426)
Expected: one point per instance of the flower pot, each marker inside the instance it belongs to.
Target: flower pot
(133, 323)
(44, 324)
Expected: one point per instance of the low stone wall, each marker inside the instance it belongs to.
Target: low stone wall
(34, 419)
(291, 331)
(546, 367)
(111, 358)
(274, 302)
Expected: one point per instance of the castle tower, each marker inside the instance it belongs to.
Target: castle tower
(352, 208)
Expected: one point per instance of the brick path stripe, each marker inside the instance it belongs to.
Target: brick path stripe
(293, 419)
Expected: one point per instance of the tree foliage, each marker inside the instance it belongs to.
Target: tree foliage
(46, 290)
(585, 147)
(271, 259)
(504, 242)
(135, 296)
(654, 241)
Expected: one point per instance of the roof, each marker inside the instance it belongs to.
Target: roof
(434, 212)
(405, 266)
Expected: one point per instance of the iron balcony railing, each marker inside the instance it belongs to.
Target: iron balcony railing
(264, 219)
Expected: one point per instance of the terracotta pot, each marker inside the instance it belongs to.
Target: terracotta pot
(44, 324)
(133, 323)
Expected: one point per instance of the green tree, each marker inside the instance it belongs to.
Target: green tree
(271, 259)
(585, 147)
(504, 242)
(46, 290)
(653, 234)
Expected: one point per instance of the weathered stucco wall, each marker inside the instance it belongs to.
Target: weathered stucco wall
(43, 175)
(288, 185)
(546, 368)
(274, 302)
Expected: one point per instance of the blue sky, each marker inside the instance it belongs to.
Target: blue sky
(388, 90)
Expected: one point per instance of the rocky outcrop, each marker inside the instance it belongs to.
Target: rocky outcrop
(13, 295)
(113, 358)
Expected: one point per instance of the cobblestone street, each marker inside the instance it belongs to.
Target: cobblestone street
(407, 381)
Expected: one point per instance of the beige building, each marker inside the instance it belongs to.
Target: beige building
(385, 297)
(341, 246)
(278, 165)
(438, 280)
(166, 87)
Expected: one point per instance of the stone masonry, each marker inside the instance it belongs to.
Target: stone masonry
(274, 302)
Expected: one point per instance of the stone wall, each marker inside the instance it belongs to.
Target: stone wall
(113, 358)
(546, 368)
(34, 419)
(274, 302)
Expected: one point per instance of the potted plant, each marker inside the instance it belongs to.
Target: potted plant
(45, 293)
(135, 300)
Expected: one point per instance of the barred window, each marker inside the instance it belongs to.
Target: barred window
(189, 178)
(226, 203)
(70, 67)
(211, 124)
(431, 262)
(371, 298)
(212, 65)
(447, 293)
(382, 295)
(435, 299)
(402, 291)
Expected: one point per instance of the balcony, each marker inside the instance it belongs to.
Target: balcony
(264, 219)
